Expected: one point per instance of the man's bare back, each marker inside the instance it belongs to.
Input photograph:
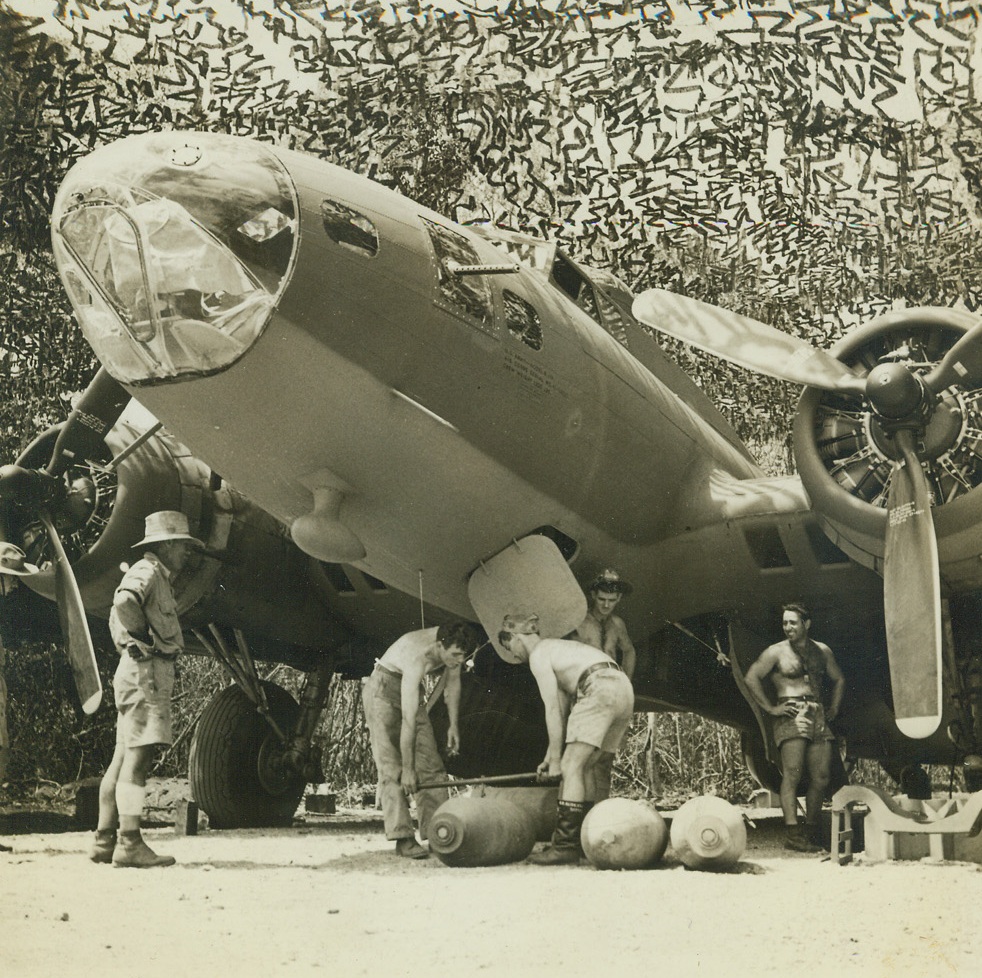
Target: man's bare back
(567, 659)
(411, 653)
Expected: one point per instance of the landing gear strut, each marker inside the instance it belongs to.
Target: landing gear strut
(251, 756)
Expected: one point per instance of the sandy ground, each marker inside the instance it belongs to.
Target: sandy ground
(328, 897)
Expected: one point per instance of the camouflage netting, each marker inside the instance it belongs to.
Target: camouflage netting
(813, 164)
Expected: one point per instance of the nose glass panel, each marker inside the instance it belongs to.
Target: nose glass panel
(174, 248)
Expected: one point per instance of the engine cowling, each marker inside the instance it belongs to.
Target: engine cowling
(845, 458)
(250, 577)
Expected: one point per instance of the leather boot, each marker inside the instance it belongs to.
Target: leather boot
(103, 844)
(797, 841)
(132, 852)
(587, 805)
(565, 846)
(411, 849)
(813, 833)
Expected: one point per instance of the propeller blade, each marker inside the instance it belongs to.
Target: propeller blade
(74, 627)
(83, 435)
(912, 597)
(744, 341)
(961, 365)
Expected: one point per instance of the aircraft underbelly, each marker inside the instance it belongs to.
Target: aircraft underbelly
(426, 503)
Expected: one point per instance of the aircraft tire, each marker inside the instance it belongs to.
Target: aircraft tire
(230, 771)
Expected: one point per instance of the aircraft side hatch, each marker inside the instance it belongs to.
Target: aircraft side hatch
(529, 575)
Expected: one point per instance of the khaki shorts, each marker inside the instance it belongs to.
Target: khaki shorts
(812, 726)
(142, 691)
(602, 713)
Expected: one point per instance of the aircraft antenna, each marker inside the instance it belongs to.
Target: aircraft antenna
(422, 615)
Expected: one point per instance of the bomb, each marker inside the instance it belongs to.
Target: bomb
(538, 802)
(708, 833)
(621, 833)
(474, 831)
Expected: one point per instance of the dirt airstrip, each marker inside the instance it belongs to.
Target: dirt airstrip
(327, 897)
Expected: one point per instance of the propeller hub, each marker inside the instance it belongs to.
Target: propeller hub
(894, 392)
(938, 436)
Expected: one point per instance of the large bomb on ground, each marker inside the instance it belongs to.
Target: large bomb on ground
(623, 833)
(708, 833)
(539, 802)
(474, 831)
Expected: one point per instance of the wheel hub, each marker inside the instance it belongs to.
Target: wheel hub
(275, 775)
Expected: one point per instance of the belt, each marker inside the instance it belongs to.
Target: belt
(154, 654)
(796, 699)
(590, 670)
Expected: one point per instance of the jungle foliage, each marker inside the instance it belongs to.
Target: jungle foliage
(704, 163)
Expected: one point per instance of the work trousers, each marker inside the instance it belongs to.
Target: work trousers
(382, 696)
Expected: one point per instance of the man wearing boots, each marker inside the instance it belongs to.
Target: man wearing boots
(797, 666)
(588, 706)
(146, 631)
(13, 565)
(403, 744)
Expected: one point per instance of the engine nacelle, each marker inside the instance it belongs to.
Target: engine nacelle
(250, 577)
(845, 456)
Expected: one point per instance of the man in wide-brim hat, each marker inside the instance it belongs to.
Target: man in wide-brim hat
(13, 560)
(145, 628)
(13, 564)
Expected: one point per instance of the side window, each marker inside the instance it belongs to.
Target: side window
(522, 320)
(611, 317)
(348, 228)
(469, 293)
(587, 301)
(569, 279)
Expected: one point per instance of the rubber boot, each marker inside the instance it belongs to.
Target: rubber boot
(565, 846)
(797, 841)
(587, 805)
(411, 849)
(103, 844)
(133, 853)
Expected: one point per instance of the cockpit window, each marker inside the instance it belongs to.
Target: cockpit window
(469, 293)
(174, 248)
(346, 227)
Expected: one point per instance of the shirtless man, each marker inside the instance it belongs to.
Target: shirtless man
(797, 666)
(588, 705)
(403, 744)
(602, 628)
(606, 631)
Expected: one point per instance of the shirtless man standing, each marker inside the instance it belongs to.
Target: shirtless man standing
(602, 628)
(588, 703)
(797, 666)
(606, 631)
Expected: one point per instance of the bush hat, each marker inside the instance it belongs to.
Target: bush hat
(167, 524)
(13, 560)
(610, 580)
